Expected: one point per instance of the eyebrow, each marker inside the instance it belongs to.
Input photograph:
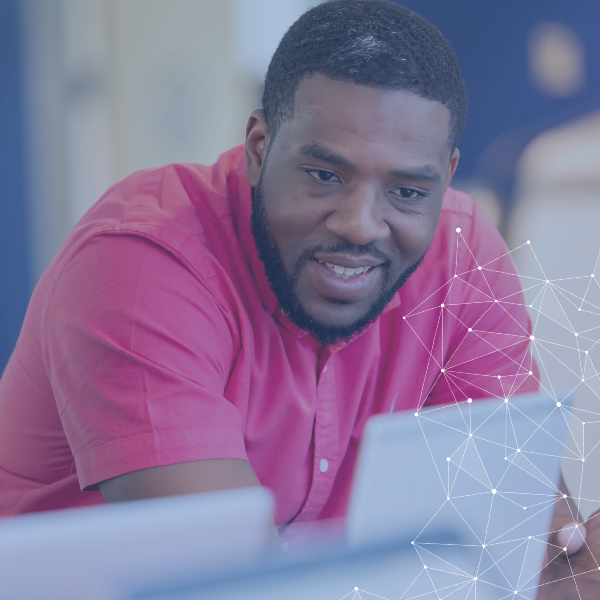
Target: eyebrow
(426, 173)
(320, 152)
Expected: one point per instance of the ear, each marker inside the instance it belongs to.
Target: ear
(452, 166)
(257, 144)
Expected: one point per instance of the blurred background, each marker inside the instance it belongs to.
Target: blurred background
(91, 90)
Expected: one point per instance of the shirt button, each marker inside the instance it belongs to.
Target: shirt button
(324, 465)
(325, 369)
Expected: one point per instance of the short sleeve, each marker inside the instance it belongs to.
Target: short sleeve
(487, 353)
(139, 352)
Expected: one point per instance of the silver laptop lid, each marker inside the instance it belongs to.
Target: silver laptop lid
(485, 472)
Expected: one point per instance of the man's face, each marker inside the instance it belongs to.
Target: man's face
(347, 203)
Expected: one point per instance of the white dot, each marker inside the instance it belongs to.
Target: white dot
(531, 337)
(456, 276)
(579, 309)
(499, 376)
(518, 449)
(479, 268)
(413, 543)
(505, 399)
(474, 578)
(323, 465)
(582, 379)
(424, 566)
(470, 435)
(529, 537)
(458, 230)
(325, 369)
(559, 404)
(583, 423)
(493, 491)
(547, 281)
(483, 546)
(470, 400)
(404, 317)
(495, 300)
(448, 458)
(576, 334)
(531, 372)
(592, 274)
(355, 589)
(528, 241)
(448, 498)
(443, 370)
(442, 305)
(565, 549)
(564, 495)
(586, 351)
(583, 460)
(416, 414)
(470, 329)
(524, 508)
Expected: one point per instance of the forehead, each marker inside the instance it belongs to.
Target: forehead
(357, 117)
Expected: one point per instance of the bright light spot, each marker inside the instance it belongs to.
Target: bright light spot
(518, 449)
(531, 372)
(442, 305)
(493, 491)
(470, 329)
(559, 404)
(479, 268)
(448, 458)
(528, 241)
(470, 400)
(458, 230)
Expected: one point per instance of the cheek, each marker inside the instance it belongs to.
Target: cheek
(413, 237)
(291, 216)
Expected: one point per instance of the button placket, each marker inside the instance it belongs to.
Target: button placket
(325, 445)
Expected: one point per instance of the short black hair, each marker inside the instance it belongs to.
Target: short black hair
(376, 43)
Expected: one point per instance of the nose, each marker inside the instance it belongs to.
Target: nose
(357, 218)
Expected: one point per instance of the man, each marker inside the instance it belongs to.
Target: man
(207, 328)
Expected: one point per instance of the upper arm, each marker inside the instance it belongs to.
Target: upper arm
(181, 478)
(139, 353)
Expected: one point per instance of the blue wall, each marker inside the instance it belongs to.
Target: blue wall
(14, 263)
(490, 40)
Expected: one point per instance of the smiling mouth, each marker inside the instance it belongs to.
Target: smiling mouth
(345, 272)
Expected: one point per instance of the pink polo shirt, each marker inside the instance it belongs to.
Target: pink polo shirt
(153, 338)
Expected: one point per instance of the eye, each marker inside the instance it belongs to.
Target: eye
(321, 175)
(408, 193)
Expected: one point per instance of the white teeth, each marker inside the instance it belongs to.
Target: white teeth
(345, 272)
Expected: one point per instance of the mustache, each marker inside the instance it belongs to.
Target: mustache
(346, 247)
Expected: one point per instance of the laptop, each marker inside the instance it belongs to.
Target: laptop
(96, 553)
(485, 472)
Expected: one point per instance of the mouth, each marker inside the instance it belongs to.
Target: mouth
(345, 272)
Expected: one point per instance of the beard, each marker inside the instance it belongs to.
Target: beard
(284, 284)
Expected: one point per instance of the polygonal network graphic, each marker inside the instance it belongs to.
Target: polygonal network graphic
(498, 473)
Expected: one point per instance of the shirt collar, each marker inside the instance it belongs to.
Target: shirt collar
(241, 202)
